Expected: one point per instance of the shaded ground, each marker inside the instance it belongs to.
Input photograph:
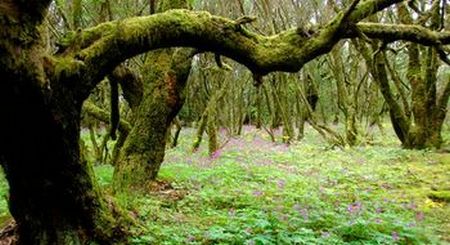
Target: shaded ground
(8, 232)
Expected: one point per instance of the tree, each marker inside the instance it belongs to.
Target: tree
(417, 123)
(166, 72)
(53, 196)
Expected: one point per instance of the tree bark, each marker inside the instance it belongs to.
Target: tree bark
(53, 196)
(143, 151)
(423, 128)
(165, 77)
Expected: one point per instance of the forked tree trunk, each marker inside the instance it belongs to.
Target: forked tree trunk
(428, 107)
(144, 149)
(165, 78)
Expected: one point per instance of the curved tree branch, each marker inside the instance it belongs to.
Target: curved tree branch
(103, 47)
(395, 32)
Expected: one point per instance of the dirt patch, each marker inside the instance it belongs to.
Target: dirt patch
(8, 232)
(166, 190)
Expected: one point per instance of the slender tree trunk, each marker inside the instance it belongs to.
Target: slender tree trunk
(259, 106)
(346, 102)
(201, 127)
(211, 129)
(178, 127)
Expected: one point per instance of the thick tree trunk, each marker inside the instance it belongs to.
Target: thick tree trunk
(430, 139)
(427, 109)
(53, 196)
(143, 151)
(166, 75)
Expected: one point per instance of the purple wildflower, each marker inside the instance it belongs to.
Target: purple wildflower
(354, 208)
(420, 216)
(325, 234)
(281, 183)
(412, 206)
(216, 154)
(412, 224)
(190, 238)
(395, 236)
(302, 211)
(257, 193)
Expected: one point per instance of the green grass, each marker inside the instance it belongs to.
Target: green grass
(257, 192)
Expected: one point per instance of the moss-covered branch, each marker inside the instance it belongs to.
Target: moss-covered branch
(131, 84)
(103, 47)
(394, 32)
(108, 44)
(104, 116)
(201, 30)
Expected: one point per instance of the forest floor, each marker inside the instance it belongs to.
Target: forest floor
(253, 191)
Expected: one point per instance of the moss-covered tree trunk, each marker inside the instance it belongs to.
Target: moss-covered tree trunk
(143, 151)
(426, 129)
(165, 76)
(422, 74)
(53, 197)
(423, 129)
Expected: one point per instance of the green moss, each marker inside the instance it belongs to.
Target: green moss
(172, 4)
(65, 67)
(442, 196)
